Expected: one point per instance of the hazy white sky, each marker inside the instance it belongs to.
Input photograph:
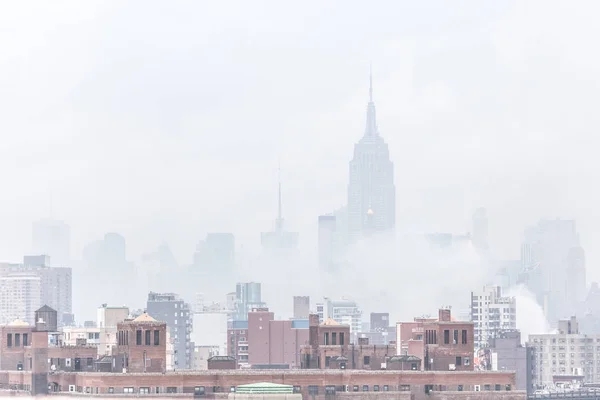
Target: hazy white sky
(165, 120)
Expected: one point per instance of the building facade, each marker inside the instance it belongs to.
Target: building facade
(443, 344)
(491, 314)
(566, 352)
(20, 296)
(371, 190)
(301, 307)
(248, 296)
(142, 345)
(176, 313)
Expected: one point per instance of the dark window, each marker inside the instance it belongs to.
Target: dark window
(341, 338)
(498, 387)
(446, 338)
(327, 360)
(148, 339)
(365, 388)
(366, 360)
(156, 338)
(25, 339)
(455, 336)
(333, 338)
(111, 389)
(138, 337)
(464, 336)
(297, 389)
(330, 389)
(355, 388)
(198, 390)
(171, 389)
(460, 388)
(126, 338)
(458, 361)
(376, 388)
(90, 361)
(326, 338)
(413, 366)
(508, 387)
(313, 390)
(487, 387)
(119, 342)
(386, 388)
(17, 339)
(9, 340)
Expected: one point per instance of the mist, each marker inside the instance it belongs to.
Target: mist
(166, 123)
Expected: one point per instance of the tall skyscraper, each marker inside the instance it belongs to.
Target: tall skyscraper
(371, 190)
(52, 238)
(279, 239)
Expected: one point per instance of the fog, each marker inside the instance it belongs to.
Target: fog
(165, 122)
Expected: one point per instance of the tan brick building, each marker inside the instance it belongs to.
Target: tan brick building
(142, 345)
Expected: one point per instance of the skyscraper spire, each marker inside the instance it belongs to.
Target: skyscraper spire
(371, 128)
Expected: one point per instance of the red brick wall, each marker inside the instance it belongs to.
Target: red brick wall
(155, 355)
(259, 335)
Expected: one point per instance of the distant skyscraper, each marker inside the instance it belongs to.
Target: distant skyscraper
(326, 241)
(546, 254)
(279, 239)
(371, 190)
(216, 253)
(301, 307)
(480, 230)
(379, 322)
(20, 296)
(492, 314)
(52, 238)
(248, 296)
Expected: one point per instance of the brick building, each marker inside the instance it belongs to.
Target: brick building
(317, 384)
(329, 348)
(444, 344)
(142, 345)
(263, 341)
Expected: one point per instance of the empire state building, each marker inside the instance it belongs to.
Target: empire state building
(371, 190)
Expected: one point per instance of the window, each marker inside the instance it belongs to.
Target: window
(17, 339)
(386, 388)
(467, 361)
(367, 360)
(128, 390)
(460, 388)
(138, 337)
(327, 360)
(365, 388)
(90, 335)
(458, 361)
(156, 338)
(111, 390)
(446, 336)
(413, 366)
(313, 390)
(341, 338)
(498, 387)
(464, 336)
(144, 390)
(333, 338)
(90, 361)
(355, 388)
(147, 334)
(25, 339)
(508, 387)
(455, 337)
(326, 338)
(97, 335)
(376, 388)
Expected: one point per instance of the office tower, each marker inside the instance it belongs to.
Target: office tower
(52, 238)
(216, 253)
(170, 308)
(326, 238)
(546, 254)
(379, 322)
(301, 307)
(279, 239)
(345, 312)
(480, 230)
(248, 297)
(492, 314)
(371, 190)
(20, 297)
(56, 288)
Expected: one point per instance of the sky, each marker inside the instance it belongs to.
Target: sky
(167, 120)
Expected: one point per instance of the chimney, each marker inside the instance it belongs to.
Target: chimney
(445, 315)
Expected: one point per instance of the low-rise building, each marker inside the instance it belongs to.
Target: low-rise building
(142, 345)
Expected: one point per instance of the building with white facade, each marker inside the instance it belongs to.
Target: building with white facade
(345, 312)
(20, 297)
(566, 352)
(491, 314)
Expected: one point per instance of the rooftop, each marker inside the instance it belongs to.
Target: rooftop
(266, 388)
(330, 322)
(144, 318)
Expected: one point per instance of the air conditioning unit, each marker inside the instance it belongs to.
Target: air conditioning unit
(477, 388)
(451, 367)
(71, 388)
(347, 388)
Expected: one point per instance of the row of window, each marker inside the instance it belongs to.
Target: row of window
(334, 339)
(146, 335)
(18, 342)
(431, 336)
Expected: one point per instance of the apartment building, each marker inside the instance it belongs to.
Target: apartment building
(492, 313)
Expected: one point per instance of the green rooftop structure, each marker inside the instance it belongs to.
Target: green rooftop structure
(264, 388)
